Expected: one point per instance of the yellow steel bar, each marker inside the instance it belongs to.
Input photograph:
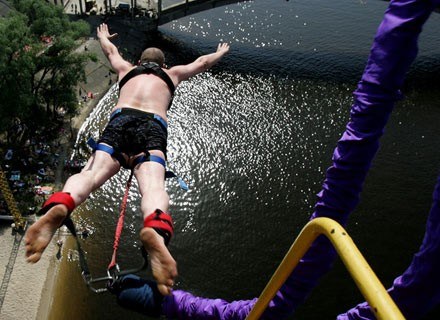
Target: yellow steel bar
(369, 285)
(10, 201)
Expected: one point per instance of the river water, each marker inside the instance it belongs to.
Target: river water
(253, 138)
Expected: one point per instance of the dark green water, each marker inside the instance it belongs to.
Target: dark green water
(254, 137)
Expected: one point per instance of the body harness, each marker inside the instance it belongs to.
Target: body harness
(149, 68)
(144, 68)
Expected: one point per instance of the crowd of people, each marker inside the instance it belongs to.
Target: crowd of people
(30, 169)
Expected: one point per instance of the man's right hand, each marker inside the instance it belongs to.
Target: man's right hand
(102, 32)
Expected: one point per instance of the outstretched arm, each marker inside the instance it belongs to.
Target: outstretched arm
(201, 64)
(109, 49)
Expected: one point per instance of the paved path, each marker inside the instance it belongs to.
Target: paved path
(22, 284)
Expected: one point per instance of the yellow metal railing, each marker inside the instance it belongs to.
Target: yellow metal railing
(369, 285)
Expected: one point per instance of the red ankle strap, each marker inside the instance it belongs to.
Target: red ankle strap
(162, 223)
(59, 198)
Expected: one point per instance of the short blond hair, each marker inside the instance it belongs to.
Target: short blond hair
(153, 55)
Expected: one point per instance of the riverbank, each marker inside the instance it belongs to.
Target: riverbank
(26, 290)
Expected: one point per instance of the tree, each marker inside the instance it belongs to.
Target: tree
(39, 67)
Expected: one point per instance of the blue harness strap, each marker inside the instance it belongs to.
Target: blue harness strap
(168, 174)
(157, 159)
(144, 158)
(108, 149)
(100, 146)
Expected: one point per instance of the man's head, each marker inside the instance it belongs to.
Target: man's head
(153, 55)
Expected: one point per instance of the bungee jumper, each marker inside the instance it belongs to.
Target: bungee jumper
(417, 290)
(134, 138)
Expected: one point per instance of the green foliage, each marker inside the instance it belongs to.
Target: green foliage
(39, 67)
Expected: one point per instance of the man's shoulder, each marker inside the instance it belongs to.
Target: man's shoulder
(124, 69)
(127, 66)
(173, 73)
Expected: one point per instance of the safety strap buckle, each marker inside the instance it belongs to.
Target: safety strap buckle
(113, 274)
(183, 185)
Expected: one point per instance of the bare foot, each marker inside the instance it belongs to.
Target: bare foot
(163, 265)
(38, 236)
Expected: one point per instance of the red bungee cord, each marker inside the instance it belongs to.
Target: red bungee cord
(120, 224)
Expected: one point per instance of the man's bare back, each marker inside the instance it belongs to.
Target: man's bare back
(145, 92)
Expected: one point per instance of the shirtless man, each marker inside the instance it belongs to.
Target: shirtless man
(135, 138)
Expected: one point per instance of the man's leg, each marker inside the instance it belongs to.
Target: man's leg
(100, 167)
(151, 179)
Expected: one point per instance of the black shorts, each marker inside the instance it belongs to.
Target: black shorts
(132, 131)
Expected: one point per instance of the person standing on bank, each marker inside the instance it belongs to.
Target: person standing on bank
(134, 138)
